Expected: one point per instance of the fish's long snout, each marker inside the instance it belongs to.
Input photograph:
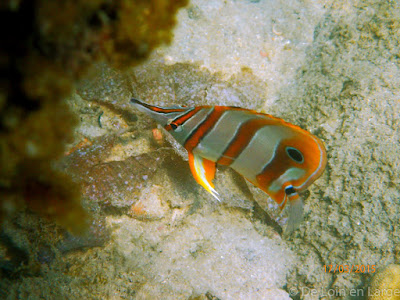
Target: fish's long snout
(138, 102)
(133, 100)
(156, 113)
(140, 105)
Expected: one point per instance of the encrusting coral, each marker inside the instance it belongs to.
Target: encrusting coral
(385, 285)
(48, 46)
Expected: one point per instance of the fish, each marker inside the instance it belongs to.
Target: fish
(278, 157)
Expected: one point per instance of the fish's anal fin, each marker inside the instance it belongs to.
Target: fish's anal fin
(203, 171)
(295, 215)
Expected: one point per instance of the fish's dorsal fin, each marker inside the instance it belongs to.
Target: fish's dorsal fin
(203, 171)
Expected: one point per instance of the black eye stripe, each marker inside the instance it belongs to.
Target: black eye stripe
(295, 154)
(174, 126)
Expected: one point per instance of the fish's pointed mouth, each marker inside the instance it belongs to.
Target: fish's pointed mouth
(137, 101)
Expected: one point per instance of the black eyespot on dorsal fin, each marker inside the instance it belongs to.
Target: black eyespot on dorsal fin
(295, 154)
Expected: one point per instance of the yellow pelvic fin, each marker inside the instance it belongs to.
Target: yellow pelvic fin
(203, 171)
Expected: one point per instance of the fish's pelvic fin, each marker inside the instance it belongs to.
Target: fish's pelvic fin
(203, 171)
(295, 215)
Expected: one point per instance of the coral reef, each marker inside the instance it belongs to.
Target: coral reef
(332, 67)
(47, 48)
(151, 203)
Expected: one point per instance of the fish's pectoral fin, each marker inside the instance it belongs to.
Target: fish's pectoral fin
(203, 171)
(295, 215)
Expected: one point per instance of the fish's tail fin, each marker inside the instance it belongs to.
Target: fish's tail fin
(295, 215)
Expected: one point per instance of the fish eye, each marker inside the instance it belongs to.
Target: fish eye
(175, 127)
(289, 190)
(295, 154)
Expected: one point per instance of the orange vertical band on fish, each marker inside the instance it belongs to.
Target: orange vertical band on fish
(280, 158)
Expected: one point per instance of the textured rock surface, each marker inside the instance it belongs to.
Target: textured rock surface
(217, 252)
(351, 84)
(332, 68)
